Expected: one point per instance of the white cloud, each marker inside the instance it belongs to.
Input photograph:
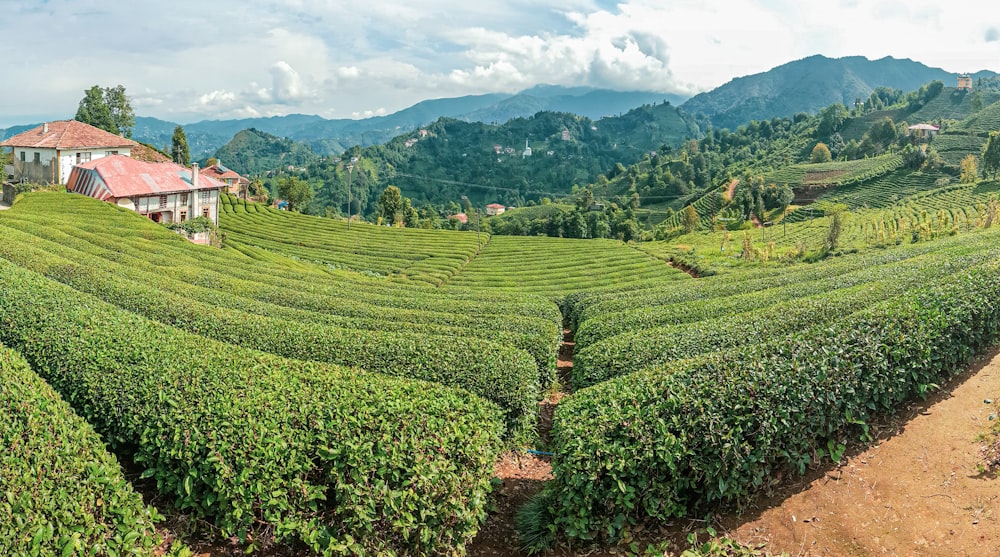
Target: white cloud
(344, 58)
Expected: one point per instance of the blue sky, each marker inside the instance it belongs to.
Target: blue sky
(186, 61)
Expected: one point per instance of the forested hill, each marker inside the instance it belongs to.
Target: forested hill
(327, 136)
(253, 152)
(810, 84)
(451, 158)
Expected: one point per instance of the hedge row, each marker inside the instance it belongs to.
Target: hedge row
(264, 446)
(663, 442)
(645, 316)
(118, 228)
(62, 492)
(635, 350)
(502, 374)
(126, 259)
(585, 306)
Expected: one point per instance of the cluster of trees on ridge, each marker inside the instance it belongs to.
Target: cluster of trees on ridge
(445, 162)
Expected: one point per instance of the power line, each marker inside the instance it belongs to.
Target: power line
(514, 190)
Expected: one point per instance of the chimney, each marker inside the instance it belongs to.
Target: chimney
(194, 175)
(45, 127)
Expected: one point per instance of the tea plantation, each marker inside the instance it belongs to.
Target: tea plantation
(349, 391)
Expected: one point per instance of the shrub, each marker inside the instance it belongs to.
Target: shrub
(62, 492)
(264, 446)
(665, 442)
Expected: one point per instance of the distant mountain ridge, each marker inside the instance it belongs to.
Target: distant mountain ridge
(327, 136)
(810, 84)
(805, 85)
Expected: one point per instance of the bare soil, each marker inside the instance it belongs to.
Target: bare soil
(922, 490)
(522, 474)
(731, 189)
(822, 177)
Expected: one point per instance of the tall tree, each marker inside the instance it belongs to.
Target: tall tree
(109, 109)
(121, 109)
(390, 205)
(690, 219)
(820, 153)
(970, 170)
(991, 155)
(297, 192)
(179, 147)
(94, 110)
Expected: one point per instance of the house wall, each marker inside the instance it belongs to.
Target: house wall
(67, 158)
(65, 161)
(192, 204)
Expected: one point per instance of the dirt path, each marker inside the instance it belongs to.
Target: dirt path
(522, 475)
(918, 492)
(731, 190)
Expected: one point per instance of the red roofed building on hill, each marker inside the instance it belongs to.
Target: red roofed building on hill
(495, 209)
(48, 153)
(235, 184)
(165, 192)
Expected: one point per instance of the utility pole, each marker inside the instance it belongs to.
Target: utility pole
(350, 171)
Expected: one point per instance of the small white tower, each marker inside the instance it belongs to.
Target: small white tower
(527, 150)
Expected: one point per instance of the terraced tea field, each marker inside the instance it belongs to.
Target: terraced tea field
(335, 391)
(428, 256)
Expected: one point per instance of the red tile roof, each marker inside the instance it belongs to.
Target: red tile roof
(66, 134)
(495, 206)
(126, 177)
(460, 217)
(220, 172)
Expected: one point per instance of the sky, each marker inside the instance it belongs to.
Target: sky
(187, 60)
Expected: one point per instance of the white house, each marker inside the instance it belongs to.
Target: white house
(495, 209)
(49, 152)
(236, 184)
(164, 191)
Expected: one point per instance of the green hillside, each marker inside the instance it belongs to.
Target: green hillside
(808, 85)
(251, 152)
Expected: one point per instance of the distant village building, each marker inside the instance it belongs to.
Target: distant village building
(460, 217)
(923, 130)
(527, 150)
(48, 153)
(165, 192)
(565, 135)
(423, 133)
(495, 209)
(235, 183)
(964, 83)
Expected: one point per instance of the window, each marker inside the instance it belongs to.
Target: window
(22, 156)
(184, 216)
(82, 157)
(184, 198)
(204, 212)
(206, 196)
(109, 153)
(163, 202)
(38, 157)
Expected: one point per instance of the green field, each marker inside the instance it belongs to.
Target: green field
(350, 391)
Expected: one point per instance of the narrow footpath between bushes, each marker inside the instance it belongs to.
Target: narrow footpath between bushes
(523, 474)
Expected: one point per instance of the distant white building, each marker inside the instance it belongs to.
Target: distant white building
(495, 209)
(48, 153)
(527, 150)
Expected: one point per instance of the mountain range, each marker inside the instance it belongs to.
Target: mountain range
(810, 84)
(804, 85)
